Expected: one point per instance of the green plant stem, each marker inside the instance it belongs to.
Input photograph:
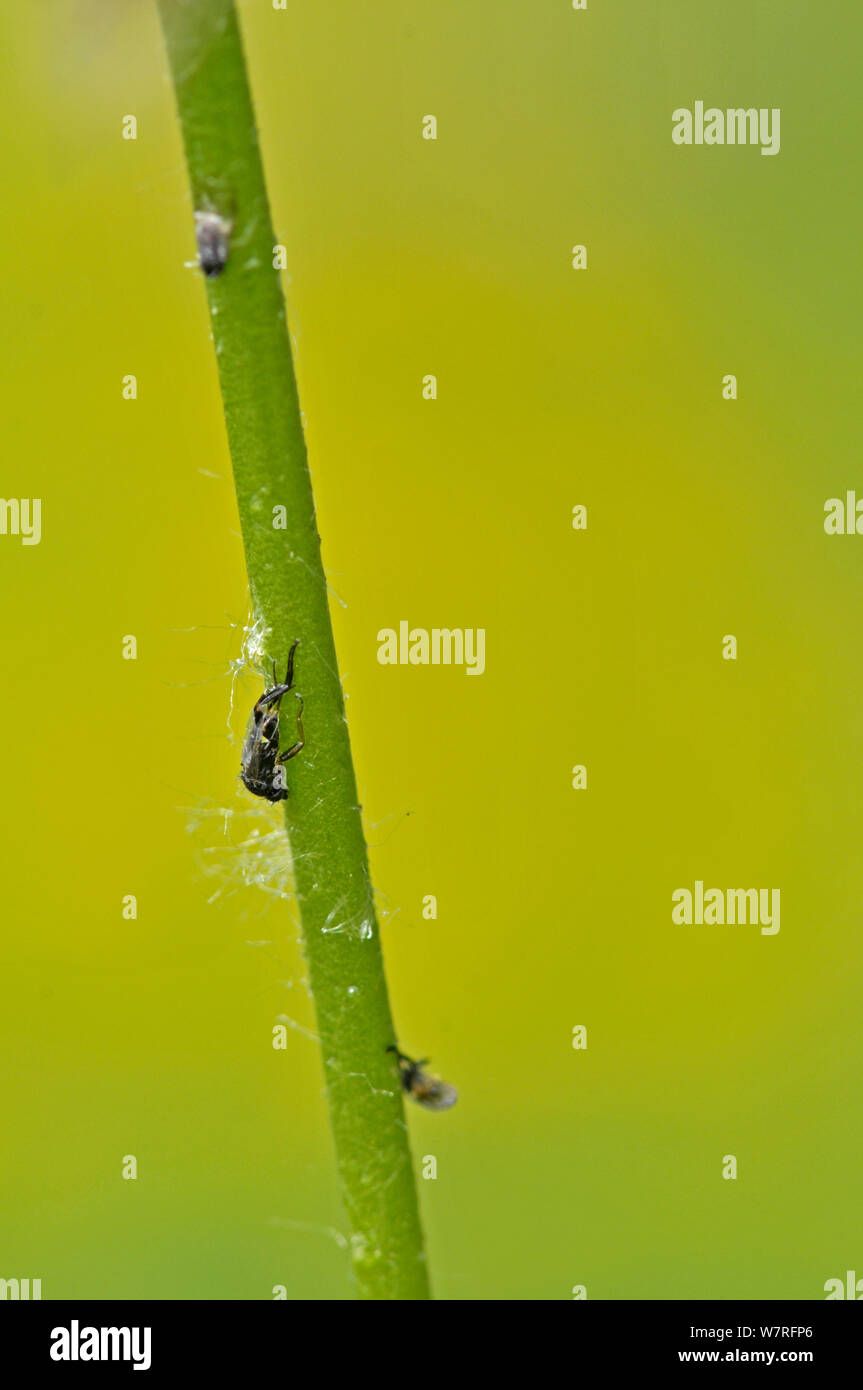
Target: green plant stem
(289, 599)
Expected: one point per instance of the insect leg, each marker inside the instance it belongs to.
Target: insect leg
(274, 696)
(269, 697)
(289, 674)
(412, 1066)
(301, 741)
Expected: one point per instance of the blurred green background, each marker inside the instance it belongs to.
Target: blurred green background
(406, 257)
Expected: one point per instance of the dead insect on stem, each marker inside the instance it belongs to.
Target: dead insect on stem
(262, 770)
(213, 235)
(426, 1090)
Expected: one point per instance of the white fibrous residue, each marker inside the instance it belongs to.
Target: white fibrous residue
(312, 1227)
(359, 924)
(242, 847)
(243, 853)
(297, 1027)
(250, 662)
(242, 850)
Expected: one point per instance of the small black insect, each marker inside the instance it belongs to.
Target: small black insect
(426, 1090)
(213, 235)
(262, 770)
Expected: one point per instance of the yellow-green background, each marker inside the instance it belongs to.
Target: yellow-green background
(409, 257)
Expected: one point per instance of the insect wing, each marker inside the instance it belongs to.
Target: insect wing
(261, 745)
(432, 1094)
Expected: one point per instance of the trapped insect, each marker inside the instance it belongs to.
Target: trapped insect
(213, 235)
(262, 770)
(426, 1090)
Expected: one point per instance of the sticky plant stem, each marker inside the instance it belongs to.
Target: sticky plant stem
(289, 599)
